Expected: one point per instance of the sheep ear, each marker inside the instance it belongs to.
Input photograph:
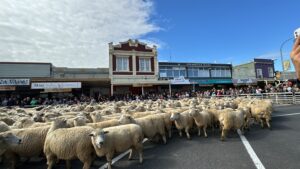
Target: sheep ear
(91, 134)
(105, 132)
(30, 114)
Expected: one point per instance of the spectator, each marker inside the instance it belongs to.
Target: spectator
(295, 57)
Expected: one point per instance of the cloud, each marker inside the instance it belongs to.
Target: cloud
(70, 33)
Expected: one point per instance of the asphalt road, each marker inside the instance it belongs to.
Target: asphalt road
(278, 148)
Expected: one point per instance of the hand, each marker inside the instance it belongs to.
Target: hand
(295, 56)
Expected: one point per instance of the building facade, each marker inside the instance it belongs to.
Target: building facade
(196, 74)
(133, 67)
(24, 79)
(259, 70)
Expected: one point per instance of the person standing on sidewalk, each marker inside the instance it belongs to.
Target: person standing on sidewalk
(295, 56)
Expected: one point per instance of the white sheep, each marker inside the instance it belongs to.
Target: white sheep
(68, 144)
(183, 121)
(202, 119)
(118, 139)
(231, 119)
(151, 125)
(7, 139)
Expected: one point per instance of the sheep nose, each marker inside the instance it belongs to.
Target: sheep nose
(20, 141)
(101, 143)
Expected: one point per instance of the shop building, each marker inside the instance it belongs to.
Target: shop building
(187, 76)
(133, 68)
(259, 71)
(23, 79)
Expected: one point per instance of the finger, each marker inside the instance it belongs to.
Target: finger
(297, 43)
(297, 50)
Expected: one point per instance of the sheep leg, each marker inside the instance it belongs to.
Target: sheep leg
(68, 164)
(109, 160)
(180, 133)
(187, 133)
(130, 154)
(204, 130)
(50, 161)
(170, 132)
(87, 164)
(139, 148)
(268, 124)
(224, 131)
(261, 123)
(199, 131)
(164, 138)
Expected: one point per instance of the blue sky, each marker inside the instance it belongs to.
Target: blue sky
(224, 31)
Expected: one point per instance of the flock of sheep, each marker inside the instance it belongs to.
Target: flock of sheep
(85, 131)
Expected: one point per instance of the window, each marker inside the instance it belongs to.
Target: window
(271, 73)
(220, 72)
(173, 71)
(144, 64)
(259, 73)
(122, 63)
(198, 72)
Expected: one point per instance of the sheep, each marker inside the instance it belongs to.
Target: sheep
(104, 124)
(202, 120)
(118, 139)
(151, 125)
(7, 139)
(183, 121)
(7, 120)
(4, 127)
(262, 112)
(32, 144)
(231, 119)
(69, 144)
(167, 121)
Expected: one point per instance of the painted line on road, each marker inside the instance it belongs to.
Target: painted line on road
(282, 115)
(258, 164)
(119, 157)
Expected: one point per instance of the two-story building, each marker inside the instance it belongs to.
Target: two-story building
(259, 70)
(195, 74)
(133, 68)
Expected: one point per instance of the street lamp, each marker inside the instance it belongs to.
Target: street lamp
(283, 43)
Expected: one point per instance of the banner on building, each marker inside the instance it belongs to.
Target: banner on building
(57, 90)
(244, 81)
(180, 80)
(7, 88)
(14, 82)
(287, 65)
(56, 85)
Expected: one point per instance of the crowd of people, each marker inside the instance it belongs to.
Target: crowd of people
(176, 94)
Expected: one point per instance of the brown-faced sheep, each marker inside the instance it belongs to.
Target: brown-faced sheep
(118, 139)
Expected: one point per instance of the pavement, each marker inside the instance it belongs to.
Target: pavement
(278, 148)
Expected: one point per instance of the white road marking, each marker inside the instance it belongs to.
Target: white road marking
(282, 115)
(114, 160)
(251, 152)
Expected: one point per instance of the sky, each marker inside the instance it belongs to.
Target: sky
(75, 33)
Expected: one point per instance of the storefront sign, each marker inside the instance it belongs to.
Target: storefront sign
(180, 80)
(56, 85)
(7, 88)
(14, 82)
(244, 81)
(212, 81)
(57, 90)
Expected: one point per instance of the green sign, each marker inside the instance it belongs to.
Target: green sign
(212, 81)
